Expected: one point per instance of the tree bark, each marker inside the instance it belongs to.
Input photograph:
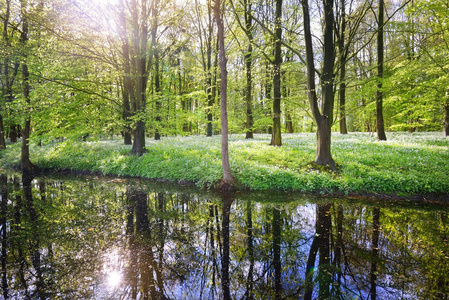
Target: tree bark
(276, 139)
(380, 128)
(227, 176)
(323, 118)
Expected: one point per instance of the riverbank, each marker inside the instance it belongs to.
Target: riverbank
(407, 165)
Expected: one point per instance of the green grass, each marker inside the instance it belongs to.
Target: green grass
(406, 164)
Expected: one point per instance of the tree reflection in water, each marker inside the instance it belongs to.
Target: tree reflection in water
(64, 238)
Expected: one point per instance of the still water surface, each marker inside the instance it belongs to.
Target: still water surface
(103, 238)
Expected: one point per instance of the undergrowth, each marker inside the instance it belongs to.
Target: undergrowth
(406, 164)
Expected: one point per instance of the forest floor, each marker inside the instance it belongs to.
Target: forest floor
(407, 165)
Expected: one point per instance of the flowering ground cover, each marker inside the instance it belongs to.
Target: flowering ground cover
(408, 164)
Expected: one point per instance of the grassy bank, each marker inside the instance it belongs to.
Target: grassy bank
(407, 164)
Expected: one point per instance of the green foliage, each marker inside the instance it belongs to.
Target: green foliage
(407, 164)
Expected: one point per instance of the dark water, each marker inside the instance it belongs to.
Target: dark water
(91, 238)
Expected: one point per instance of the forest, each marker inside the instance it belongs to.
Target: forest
(148, 70)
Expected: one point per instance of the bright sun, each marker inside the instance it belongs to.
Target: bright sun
(114, 278)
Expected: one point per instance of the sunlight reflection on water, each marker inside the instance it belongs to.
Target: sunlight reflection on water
(114, 278)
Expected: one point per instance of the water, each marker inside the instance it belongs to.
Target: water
(103, 238)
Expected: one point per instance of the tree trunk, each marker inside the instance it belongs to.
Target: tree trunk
(343, 56)
(380, 67)
(2, 133)
(324, 118)
(227, 176)
(143, 63)
(210, 88)
(289, 123)
(249, 113)
(268, 87)
(343, 128)
(26, 164)
(128, 91)
(446, 119)
(157, 86)
(323, 149)
(8, 74)
(276, 139)
(249, 60)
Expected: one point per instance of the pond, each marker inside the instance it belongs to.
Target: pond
(106, 238)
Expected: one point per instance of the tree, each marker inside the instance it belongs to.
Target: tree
(127, 89)
(276, 139)
(26, 164)
(249, 65)
(227, 179)
(380, 128)
(9, 68)
(324, 118)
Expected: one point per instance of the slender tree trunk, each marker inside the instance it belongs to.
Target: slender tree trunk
(268, 88)
(276, 139)
(249, 60)
(157, 86)
(8, 76)
(128, 90)
(380, 128)
(227, 176)
(2, 133)
(249, 112)
(209, 89)
(26, 164)
(343, 56)
(343, 127)
(446, 119)
(323, 118)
